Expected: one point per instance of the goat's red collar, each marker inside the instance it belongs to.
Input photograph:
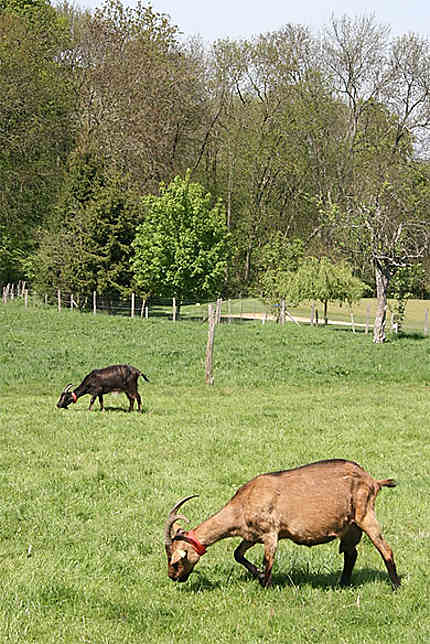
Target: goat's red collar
(74, 396)
(191, 538)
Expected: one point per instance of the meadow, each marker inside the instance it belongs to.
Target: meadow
(84, 495)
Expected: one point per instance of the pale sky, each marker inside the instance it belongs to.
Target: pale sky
(243, 18)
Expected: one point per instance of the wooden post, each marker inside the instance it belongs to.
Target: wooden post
(312, 320)
(46, 299)
(71, 301)
(426, 322)
(26, 298)
(218, 310)
(59, 300)
(367, 318)
(132, 305)
(282, 312)
(352, 321)
(94, 302)
(210, 344)
(143, 309)
(4, 295)
(229, 311)
(146, 312)
(316, 317)
(174, 309)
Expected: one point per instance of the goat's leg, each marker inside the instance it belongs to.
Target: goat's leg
(92, 402)
(264, 576)
(130, 400)
(347, 546)
(270, 544)
(239, 557)
(101, 402)
(139, 402)
(371, 527)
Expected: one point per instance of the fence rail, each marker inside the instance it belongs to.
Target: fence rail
(229, 310)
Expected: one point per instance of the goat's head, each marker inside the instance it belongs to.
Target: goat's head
(182, 555)
(66, 398)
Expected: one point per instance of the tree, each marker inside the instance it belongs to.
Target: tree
(405, 282)
(87, 246)
(36, 125)
(182, 247)
(314, 279)
(141, 93)
(377, 211)
(256, 158)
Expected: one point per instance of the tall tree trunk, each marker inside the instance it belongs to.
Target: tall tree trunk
(382, 281)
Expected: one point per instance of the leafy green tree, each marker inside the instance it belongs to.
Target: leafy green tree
(314, 279)
(88, 245)
(182, 247)
(36, 126)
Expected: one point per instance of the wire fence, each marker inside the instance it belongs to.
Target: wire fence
(226, 310)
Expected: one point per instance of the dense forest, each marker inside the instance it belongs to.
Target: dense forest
(293, 137)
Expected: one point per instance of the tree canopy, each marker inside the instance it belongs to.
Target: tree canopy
(182, 247)
(318, 138)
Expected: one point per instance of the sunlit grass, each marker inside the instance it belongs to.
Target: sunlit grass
(84, 495)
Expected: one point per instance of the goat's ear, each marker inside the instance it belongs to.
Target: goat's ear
(178, 555)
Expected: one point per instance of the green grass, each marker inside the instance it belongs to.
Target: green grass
(86, 494)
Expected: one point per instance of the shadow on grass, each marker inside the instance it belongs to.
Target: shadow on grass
(294, 579)
(109, 409)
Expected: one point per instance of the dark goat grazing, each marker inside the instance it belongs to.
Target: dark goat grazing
(118, 377)
(310, 505)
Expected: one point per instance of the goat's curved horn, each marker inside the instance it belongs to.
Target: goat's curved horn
(174, 517)
(67, 388)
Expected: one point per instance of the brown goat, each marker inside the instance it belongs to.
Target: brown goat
(312, 504)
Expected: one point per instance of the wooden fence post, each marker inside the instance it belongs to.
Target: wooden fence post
(229, 311)
(367, 318)
(143, 309)
(426, 322)
(210, 344)
(132, 305)
(282, 312)
(26, 298)
(218, 310)
(174, 309)
(59, 300)
(352, 321)
(94, 302)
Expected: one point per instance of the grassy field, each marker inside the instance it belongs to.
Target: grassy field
(84, 495)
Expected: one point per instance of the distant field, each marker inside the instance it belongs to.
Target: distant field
(84, 495)
(363, 311)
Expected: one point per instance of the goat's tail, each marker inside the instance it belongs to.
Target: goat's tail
(143, 376)
(387, 483)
